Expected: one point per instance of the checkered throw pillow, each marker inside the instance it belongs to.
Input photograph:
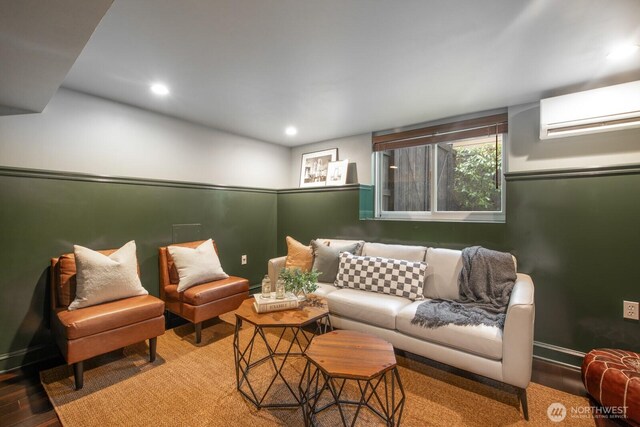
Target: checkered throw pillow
(388, 276)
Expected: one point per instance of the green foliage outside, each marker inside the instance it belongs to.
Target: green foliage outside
(474, 182)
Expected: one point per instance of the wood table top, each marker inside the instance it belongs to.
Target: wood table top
(351, 354)
(308, 311)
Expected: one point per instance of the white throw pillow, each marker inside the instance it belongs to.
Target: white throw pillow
(102, 278)
(195, 266)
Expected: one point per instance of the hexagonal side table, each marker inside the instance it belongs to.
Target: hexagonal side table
(349, 359)
(314, 312)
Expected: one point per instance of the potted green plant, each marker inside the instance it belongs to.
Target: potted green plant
(299, 282)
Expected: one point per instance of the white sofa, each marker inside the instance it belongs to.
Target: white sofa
(502, 355)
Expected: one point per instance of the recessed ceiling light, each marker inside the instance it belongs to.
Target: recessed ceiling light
(291, 130)
(623, 51)
(159, 89)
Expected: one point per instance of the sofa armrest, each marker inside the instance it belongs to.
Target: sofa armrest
(274, 267)
(517, 338)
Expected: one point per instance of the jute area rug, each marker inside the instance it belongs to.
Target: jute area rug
(195, 385)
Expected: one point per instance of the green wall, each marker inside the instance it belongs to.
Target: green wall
(575, 233)
(43, 214)
(336, 213)
(578, 236)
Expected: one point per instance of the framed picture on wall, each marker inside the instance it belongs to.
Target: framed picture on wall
(314, 167)
(337, 172)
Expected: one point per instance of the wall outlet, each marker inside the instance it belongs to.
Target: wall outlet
(630, 310)
(243, 260)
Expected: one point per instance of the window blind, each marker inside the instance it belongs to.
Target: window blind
(471, 128)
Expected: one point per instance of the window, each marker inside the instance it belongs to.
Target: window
(448, 172)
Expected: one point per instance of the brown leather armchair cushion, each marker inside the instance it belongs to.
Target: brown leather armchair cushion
(111, 315)
(208, 292)
(199, 302)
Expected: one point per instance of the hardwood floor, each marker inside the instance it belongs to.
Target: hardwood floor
(557, 376)
(23, 401)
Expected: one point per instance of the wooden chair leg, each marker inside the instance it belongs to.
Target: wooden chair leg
(522, 397)
(153, 343)
(78, 374)
(198, 332)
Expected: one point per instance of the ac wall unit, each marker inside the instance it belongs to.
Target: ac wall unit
(599, 110)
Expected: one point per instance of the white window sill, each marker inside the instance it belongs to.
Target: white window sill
(473, 217)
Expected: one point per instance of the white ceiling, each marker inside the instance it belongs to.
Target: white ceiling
(39, 41)
(335, 68)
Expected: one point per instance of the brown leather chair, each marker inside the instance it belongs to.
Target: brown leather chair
(199, 302)
(90, 331)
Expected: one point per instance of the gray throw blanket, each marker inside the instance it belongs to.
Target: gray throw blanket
(485, 284)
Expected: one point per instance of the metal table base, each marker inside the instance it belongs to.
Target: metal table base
(277, 355)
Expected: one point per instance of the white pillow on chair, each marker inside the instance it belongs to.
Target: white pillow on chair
(101, 278)
(195, 266)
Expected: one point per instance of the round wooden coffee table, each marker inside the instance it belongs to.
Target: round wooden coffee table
(291, 331)
(341, 360)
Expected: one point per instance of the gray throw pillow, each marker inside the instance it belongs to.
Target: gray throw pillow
(327, 259)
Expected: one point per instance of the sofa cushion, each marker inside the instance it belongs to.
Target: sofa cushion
(324, 289)
(406, 252)
(299, 255)
(444, 266)
(327, 258)
(101, 278)
(208, 292)
(196, 265)
(342, 242)
(376, 274)
(482, 340)
(111, 315)
(367, 307)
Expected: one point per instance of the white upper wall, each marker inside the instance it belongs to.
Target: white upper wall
(528, 153)
(356, 148)
(82, 133)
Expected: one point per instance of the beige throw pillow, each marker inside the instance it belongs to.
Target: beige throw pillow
(195, 266)
(101, 278)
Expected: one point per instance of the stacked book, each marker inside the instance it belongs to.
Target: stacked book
(266, 305)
